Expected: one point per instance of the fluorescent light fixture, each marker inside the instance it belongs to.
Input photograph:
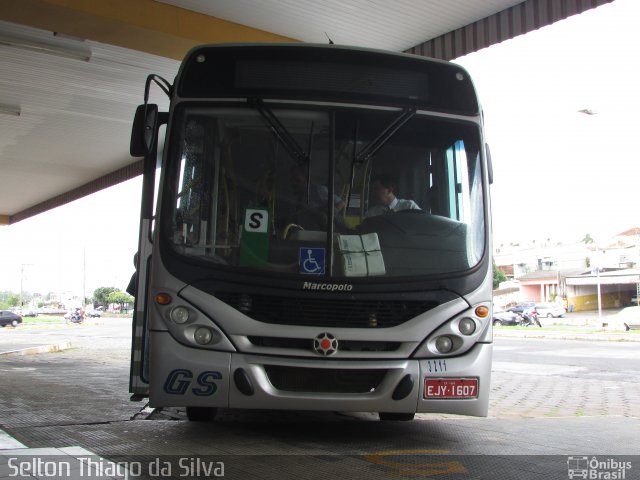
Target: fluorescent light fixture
(63, 47)
(13, 110)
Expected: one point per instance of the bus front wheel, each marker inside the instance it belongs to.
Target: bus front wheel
(201, 414)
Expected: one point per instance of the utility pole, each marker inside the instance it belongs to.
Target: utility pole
(22, 265)
(84, 276)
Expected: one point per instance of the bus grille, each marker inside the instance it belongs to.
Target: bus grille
(318, 312)
(307, 344)
(324, 380)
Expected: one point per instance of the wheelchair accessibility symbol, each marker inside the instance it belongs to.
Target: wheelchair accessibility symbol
(311, 261)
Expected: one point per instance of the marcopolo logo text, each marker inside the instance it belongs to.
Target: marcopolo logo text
(328, 287)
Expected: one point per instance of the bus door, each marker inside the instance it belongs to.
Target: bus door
(149, 127)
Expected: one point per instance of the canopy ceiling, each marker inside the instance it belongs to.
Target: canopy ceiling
(73, 71)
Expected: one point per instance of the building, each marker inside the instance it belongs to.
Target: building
(573, 273)
(540, 286)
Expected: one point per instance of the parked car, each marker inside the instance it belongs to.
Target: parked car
(626, 319)
(550, 310)
(93, 313)
(502, 317)
(30, 313)
(9, 318)
(520, 308)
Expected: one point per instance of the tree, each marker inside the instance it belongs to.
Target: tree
(119, 297)
(8, 300)
(498, 276)
(100, 295)
(587, 239)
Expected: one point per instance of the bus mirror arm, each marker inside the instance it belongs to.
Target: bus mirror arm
(146, 121)
(164, 85)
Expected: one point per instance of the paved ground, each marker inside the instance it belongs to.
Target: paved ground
(551, 400)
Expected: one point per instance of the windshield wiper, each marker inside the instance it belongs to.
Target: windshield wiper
(281, 133)
(377, 143)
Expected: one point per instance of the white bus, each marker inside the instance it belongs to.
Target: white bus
(321, 239)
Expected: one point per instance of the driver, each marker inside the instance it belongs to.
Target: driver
(383, 189)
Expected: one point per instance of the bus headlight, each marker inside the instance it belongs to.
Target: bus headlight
(179, 315)
(202, 336)
(444, 344)
(188, 324)
(467, 326)
(458, 334)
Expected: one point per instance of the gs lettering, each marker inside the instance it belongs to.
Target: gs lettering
(179, 380)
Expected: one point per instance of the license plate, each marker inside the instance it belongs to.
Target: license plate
(451, 388)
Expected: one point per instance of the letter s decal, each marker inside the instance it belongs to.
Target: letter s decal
(206, 383)
(256, 220)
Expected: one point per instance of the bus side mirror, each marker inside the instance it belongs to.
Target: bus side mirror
(489, 163)
(143, 132)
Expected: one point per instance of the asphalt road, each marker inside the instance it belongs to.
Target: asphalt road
(607, 361)
(551, 400)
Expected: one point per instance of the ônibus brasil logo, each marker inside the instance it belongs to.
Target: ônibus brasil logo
(328, 287)
(596, 468)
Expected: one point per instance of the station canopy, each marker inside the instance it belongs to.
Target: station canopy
(73, 71)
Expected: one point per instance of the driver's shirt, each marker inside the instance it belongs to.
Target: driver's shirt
(395, 206)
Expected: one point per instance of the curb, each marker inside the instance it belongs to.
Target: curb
(58, 347)
(7, 442)
(595, 337)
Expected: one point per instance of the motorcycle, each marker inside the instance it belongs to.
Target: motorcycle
(529, 319)
(74, 317)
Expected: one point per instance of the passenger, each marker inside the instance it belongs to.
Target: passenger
(318, 194)
(383, 189)
(133, 283)
(311, 204)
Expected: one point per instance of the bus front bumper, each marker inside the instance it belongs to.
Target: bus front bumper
(184, 376)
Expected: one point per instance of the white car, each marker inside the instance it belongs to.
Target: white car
(626, 319)
(550, 310)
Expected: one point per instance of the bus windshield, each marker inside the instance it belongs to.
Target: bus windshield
(325, 191)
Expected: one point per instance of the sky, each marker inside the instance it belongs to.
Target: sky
(558, 173)
(86, 244)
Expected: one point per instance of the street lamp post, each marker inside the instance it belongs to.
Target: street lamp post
(599, 290)
(592, 112)
(599, 295)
